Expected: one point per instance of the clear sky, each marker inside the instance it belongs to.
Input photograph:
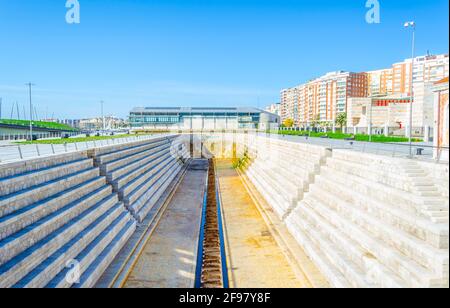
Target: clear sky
(196, 53)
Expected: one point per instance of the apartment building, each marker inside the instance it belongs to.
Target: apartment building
(289, 104)
(322, 99)
(380, 82)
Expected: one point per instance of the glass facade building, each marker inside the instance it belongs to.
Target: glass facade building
(202, 118)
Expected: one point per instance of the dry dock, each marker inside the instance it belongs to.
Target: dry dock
(254, 258)
(170, 255)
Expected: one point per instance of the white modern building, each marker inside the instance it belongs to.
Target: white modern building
(208, 118)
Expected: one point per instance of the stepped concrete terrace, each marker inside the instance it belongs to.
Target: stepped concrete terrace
(52, 211)
(69, 215)
(364, 220)
(142, 171)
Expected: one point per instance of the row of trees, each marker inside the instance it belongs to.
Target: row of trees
(341, 121)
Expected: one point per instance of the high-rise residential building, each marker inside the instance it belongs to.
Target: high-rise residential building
(322, 99)
(288, 108)
(397, 79)
(380, 82)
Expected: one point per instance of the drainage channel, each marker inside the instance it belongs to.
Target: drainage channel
(211, 264)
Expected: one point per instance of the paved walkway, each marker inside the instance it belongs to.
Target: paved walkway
(169, 258)
(254, 258)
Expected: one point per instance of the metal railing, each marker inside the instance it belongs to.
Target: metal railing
(38, 135)
(17, 152)
(421, 151)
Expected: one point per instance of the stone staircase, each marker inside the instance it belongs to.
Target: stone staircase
(55, 210)
(276, 173)
(141, 172)
(372, 221)
(364, 220)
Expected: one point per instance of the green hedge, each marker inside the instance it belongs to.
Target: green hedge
(40, 124)
(358, 137)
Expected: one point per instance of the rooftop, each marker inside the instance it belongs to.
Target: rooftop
(168, 110)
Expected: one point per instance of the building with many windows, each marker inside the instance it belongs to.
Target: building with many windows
(191, 118)
(322, 99)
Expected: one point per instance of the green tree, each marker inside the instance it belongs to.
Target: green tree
(288, 123)
(341, 120)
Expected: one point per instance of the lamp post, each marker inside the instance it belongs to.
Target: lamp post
(411, 25)
(103, 116)
(30, 85)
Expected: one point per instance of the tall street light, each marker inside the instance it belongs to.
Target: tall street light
(30, 85)
(411, 25)
(103, 116)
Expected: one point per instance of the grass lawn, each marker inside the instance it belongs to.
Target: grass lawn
(74, 140)
(40, 124)
(359, 137)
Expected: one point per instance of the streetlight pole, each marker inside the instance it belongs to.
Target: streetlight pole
(30, 85)
(370, 121)
(412, 25)
(103, 117)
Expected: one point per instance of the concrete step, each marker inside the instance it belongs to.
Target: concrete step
(150, 195)
(27, 180)
(86, 259)
(301, 147)
(291, 191)
(298, 170)
(21, 199)
(140, 190)
(27, 237)
(280, 205)
(380, 240)
(116, 156)
(355, 263)
(288, 191)
(21, 264)
(358, 262)
(372, 174)
(98, 267)
(127, 160)
(30, 165)
(308, 164)
(129, 182)
(385, 194)
(41, 275)
(314, 252)
(368, 159)
(133, 166)
(98, 152)
(420, 228)
(148, 206)
(302, 155)
(26, 216)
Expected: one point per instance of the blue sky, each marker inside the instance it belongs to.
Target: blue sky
(196, 53)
